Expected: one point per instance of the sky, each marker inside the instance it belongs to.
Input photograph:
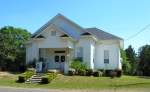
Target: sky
(122, 18)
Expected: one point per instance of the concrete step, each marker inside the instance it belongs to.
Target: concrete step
(37, 75)
(34, 79)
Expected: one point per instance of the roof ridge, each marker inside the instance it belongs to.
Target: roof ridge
(59, 15)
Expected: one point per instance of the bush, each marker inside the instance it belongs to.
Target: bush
(113, 74)
(82, 72)
(24, 76)
(28, 74)
(51, 76)
(48, 77)
(71, 72)
(119, 73)
(89, 72)
(21, 79)
(77, 65)
(101, 70)
(107, 73)
(97, 74)
(45, 80)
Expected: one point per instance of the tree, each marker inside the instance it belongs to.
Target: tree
(125, 64)
(144, 60)
(131, 58)
(12, 47)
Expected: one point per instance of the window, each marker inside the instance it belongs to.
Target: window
(40, 52)
(106, 56)
(62, 58)
(80, 53)
(53, 33)
(56, 58)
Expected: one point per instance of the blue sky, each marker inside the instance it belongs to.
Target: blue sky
(123, 18)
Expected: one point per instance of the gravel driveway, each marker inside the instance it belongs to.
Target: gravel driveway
(10, 89)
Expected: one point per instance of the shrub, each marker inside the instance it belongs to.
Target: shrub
(28, 74)
(82, 72)
(97, 74)
(126, 66)
(89, 72)
(78, 66)
(48, 77)
(102, 70)
(78, 59)
(119, 73)
(51, 76)
(45, 80)
(107, 73)
(24, 76)
(71, 72)
(83, 67)
(21, 79)
(139, 73)
(113, 74)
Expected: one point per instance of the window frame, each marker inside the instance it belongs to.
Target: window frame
(80, 53)
(106, 56)
(57, 58)
(62, 58)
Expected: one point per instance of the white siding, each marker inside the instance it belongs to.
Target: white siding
(54, 41)
(32, 52)
(68, 27)
(88, 51)
(114, 57)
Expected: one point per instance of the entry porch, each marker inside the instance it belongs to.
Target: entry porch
(54, 59)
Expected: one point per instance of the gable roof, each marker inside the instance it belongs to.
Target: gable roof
(51, 22)
(100, 34)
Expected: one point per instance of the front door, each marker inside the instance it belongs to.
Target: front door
(60, 59)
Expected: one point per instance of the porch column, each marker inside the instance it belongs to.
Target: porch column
(68, 58)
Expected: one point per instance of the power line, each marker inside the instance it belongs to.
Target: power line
(143, 29)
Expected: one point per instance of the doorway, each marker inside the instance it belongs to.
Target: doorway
(60, 59)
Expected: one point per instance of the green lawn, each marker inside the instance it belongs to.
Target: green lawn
(82, 82)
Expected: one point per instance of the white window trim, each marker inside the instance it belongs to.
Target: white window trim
(79, 52)
(106, 56)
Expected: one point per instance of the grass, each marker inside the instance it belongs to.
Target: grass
(81, 82)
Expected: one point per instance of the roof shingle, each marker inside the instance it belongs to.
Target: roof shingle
(102, 35)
